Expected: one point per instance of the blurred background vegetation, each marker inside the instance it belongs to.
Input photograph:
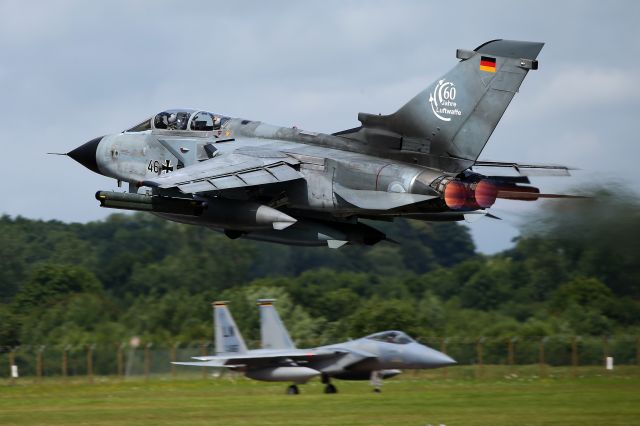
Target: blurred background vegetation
(574, 271)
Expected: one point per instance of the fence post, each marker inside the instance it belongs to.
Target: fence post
(542, 366)
(90, 363)
(574, 356)
(443, 349)
(510, 356)
(147, 360)
(120, 360)
(479, 368)
(174, 349)
(39, 366)
(65, 361)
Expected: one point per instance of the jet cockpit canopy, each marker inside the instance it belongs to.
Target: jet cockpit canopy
(182, 119)
(394, 336)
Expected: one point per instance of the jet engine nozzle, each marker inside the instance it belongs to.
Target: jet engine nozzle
(455, 194)
(484, 193)
(458, 194)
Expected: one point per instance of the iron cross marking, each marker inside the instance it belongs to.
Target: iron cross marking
(167, 167)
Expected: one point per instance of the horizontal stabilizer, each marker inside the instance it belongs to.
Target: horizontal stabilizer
(528, 169)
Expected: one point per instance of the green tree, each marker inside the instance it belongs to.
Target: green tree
(584, 292)
(379, 314)
(50, 283)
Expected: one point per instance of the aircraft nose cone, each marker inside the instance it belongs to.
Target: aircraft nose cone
(431, 358)
(86, 154)
(443, 360)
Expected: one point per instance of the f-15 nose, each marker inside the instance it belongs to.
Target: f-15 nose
(86, 154)
(427, 357)
(443, 360)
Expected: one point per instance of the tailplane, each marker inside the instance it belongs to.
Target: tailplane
(228, 337)
(272, 331)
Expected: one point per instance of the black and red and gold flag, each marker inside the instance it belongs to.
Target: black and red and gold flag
(487, 64)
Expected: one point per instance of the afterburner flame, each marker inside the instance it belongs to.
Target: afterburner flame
(455, 195)
(485, 193)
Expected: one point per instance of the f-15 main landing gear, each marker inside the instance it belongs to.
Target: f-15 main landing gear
(293, 390)
(329, 388)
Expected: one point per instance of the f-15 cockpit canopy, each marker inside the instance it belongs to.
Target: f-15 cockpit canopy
(182, 119)
(394, 336)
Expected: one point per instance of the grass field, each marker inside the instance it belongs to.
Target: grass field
(500, 398)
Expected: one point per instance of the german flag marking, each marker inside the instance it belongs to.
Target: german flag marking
(487, 64)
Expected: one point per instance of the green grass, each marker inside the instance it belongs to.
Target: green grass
(502, 397)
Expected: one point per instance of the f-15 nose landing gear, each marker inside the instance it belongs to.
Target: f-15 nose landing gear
(293, 390)
(376, 381)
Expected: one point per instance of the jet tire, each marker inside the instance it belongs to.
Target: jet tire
(330, 389)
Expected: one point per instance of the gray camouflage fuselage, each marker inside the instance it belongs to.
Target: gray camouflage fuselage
(282, 184)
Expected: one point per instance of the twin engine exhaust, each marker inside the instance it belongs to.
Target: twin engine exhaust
(458, 194)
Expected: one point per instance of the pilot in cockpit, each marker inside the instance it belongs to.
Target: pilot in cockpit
(161, 121)
(171, 121)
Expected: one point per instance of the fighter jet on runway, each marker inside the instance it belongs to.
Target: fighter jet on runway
(253, 180)
(375, 357)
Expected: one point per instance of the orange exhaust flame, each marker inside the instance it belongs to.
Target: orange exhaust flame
(455, 195)
(485, 193)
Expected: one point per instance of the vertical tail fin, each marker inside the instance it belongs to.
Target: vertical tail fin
(273, 333)
(228, 337)
(450, 121)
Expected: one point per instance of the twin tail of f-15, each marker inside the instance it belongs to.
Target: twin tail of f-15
(254, 180)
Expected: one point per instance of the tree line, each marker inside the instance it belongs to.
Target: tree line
(573, 271)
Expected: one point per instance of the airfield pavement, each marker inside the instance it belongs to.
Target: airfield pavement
(502, 396)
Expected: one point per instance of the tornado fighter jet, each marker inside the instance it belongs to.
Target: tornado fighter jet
(375, 357)
(249, 179)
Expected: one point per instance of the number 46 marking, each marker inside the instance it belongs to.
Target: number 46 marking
(154, 166)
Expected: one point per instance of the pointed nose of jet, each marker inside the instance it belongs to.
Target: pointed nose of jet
(86, 154)
(425, 357)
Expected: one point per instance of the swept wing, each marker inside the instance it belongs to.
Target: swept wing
(237, 170)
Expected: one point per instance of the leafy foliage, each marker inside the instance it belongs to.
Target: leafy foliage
(136, 275)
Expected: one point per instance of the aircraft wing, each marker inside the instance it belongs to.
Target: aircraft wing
(210, 363)
(264, 357)
(528, 169)
(243, 168)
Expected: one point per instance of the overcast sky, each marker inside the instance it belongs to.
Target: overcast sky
(74, 70)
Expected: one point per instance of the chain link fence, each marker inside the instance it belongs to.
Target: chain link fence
(150, 360)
